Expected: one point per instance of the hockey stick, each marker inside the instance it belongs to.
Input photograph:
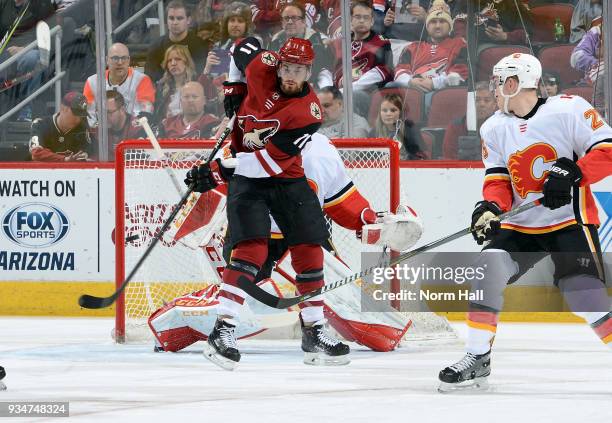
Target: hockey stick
(43, 41)
(276, 302)
(144, 122)
(9, 34)
(93, 302)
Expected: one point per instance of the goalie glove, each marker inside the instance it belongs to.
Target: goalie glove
(208, 176)
(400, 231)
(485, 218)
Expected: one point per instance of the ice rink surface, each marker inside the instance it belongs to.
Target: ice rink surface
(541, 373)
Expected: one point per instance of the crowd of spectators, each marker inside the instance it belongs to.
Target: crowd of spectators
(404, 52)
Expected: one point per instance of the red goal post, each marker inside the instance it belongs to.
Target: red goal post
(145, 195)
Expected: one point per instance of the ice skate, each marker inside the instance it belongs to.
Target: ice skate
(2, 374)
(471, 372)
(221, 346)
(321, 349)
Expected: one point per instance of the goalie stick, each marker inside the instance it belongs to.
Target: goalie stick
(93, 302)
(276, 302)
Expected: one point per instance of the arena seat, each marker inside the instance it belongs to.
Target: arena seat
(489, 56)
(544, 21)
(557, 58)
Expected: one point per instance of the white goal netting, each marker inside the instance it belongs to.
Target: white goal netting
(147, 191)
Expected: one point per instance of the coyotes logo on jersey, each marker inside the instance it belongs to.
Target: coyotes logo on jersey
(257, 132)
(527, 166)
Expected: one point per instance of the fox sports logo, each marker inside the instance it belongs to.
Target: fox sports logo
(35, 225)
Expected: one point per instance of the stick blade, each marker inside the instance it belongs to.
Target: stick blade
(265, 297)
(91, 302)
(43, 39)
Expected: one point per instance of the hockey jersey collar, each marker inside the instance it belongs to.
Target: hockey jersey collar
(533, 111)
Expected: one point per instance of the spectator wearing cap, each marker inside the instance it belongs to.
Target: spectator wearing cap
(293, 21)
(178, 18)
(135, 87)
(64, 136)
(437, 63)
(550, 84)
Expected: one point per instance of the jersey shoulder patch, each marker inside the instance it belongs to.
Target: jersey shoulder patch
(315, 110)
(269, 58)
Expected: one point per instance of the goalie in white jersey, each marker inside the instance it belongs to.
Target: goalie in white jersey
(557, 147)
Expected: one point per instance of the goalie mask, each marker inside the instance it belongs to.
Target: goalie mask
(525, 67)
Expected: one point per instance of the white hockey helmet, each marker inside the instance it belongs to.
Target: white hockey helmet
(525, 67)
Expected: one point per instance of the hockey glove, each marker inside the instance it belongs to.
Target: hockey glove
(562, 176)
(234, 94)
(208, 176)
(485, 218)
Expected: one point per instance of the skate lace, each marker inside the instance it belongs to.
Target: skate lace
(226, 334)
(326, 339)
(465, 363)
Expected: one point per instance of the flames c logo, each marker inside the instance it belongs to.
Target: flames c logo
(521, 167)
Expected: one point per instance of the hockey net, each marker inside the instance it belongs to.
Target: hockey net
(148, 187)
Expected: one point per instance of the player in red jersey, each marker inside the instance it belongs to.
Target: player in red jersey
(277, 113)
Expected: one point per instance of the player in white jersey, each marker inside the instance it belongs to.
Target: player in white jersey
(175, 329)
(557, 147)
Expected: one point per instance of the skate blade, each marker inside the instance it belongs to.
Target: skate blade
(476, 384)
(319, 359)
(219, 360)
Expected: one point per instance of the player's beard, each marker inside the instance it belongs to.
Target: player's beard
(292, 88)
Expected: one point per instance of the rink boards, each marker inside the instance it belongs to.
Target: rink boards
(57, 221)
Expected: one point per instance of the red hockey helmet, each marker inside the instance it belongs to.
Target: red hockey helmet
(297, 50)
